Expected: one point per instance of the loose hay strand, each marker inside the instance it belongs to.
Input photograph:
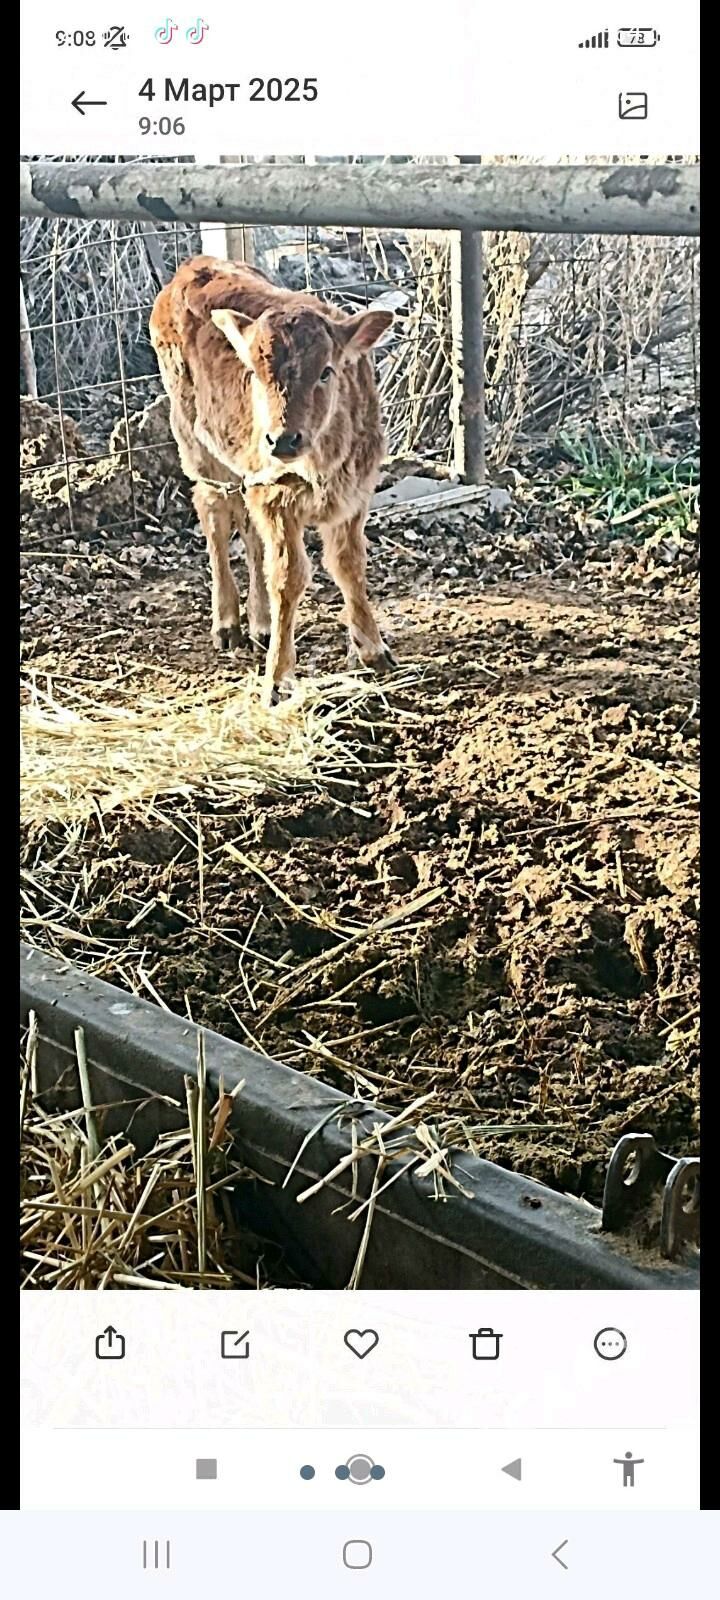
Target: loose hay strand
(200, 1138)
(357, 1271)
(93, 1142)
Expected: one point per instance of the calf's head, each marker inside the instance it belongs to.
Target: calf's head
(295, 359)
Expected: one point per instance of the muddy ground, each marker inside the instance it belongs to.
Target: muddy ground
(534, 758)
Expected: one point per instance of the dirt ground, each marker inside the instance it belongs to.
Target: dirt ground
(534, 760)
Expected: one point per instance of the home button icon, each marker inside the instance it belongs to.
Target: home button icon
(357, 1554)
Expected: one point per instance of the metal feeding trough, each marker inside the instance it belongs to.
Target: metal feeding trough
(498, 1231)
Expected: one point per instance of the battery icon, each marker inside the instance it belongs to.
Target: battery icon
(637, 38)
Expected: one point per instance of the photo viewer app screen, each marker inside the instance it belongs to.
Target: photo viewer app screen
(359, 519)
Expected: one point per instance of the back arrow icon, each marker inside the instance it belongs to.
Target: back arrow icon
(556, 1556)
(80, 103)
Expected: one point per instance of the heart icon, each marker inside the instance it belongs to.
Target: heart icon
(361, 1342)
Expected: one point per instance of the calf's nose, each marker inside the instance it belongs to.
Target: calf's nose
(285, 445)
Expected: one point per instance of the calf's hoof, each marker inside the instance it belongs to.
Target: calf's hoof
(260, 644)
(274, 693)
(230, 638)
(381, 663)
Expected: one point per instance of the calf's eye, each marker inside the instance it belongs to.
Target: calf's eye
(326, 373)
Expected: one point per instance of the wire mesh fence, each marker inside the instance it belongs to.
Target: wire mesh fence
(583, 333)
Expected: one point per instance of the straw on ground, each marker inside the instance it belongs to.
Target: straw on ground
(82, 754)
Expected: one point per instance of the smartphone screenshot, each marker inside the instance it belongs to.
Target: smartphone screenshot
(359, 1050)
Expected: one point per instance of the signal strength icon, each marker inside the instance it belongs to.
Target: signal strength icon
(597, 41)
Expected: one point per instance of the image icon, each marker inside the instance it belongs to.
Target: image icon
(633, 106)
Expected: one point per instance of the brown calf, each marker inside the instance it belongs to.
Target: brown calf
(274, 408)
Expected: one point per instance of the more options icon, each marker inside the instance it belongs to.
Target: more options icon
(610, 1344)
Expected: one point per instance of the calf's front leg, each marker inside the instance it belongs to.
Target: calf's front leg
(287, 571)
(258, 604)
(217, 514)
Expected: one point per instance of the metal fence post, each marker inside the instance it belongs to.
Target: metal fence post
(468, 360)
(232, 242)
(27, 354)
(467, 291)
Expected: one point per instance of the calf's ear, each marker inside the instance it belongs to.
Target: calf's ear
(235, 326)
(358, 334)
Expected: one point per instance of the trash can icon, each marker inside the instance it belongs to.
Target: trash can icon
(485, 1344)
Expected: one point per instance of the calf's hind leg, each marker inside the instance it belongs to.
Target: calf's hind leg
(345, 557)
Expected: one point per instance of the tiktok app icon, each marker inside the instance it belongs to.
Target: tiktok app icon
(166, 31)
(194, 33)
